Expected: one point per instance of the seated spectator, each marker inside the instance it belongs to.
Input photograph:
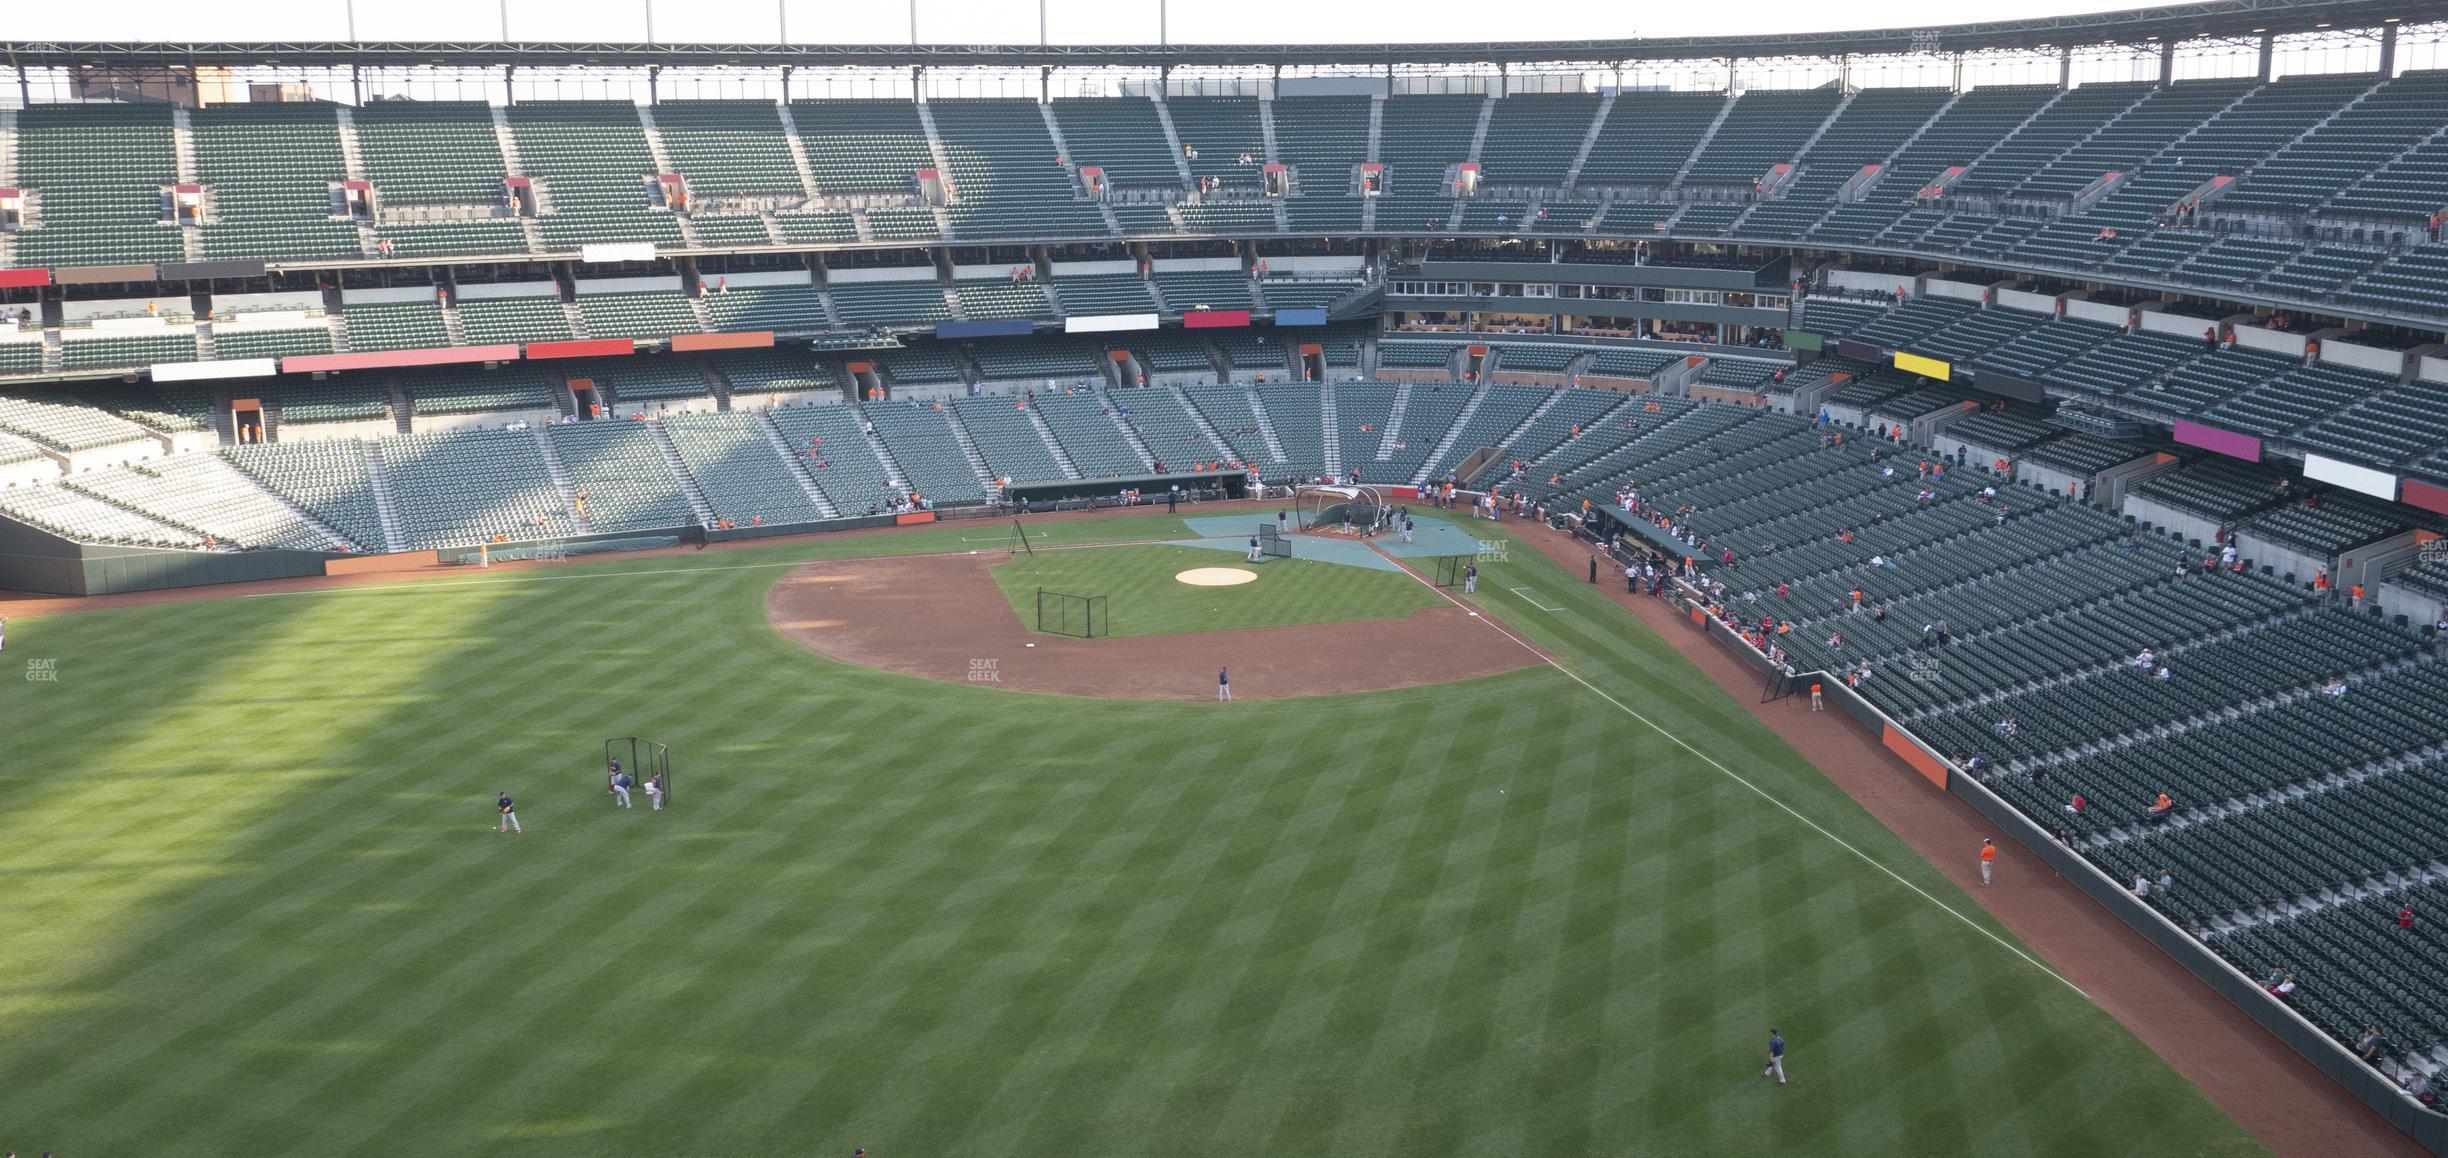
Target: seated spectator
(2141, 885)
(2161, 808)
(2077, 804)
(2405, 917)
(2285, 989)
(2369, 1045)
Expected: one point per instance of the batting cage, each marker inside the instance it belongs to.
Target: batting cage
(1357, 510)
(1079, 616)
(645, 761)
(1273, 544)
(1451, 570)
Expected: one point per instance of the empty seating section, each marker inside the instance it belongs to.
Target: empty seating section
(2358, 142)
(921, 441)
(2210, 379)
(1290, 293)
(453, 238)
(784, 309)
(863, 148)
(1324, 213)
(1006, 179)
(1405, 355)
(1038, 360)
(2406, 189)
(1917, 317)
(919, 365)
(1243, 215)
(65, 427)
(2216, 488)
(99, 173)
(1105, 294)
(1546, 357)
(2298, 398)
(168, 408)
(597, 172)
(2399, 424)
(1739, 372)
(464, 487)
(1647, 138)
(1188, 290)
(1009, 442)
(1766, 128)
(1228, 409)
(1165, 426)
(1838, 317)
(1299, 417)
(727, 148)
(1533, 137)
(105, 353)
(470, 391)
(349, 399)
(2333, 523)
(918, 301)
(772, 372)
(1083, 424)
(740, 474)
(1502, 410)
(203, 494)
(648, 315)
(619, 475)
(2032, 146)
(818, 226)
(661, 380)
(1121, 136)
(394, 326)
(1220, 131)
(431, 152)
(839, 460)
(491, 321)
(2123, 361)
(2034, 350)
(90, 520)
(1421, 138)
(1629, 363)
(1409, 214)
(2417, 278)
(719, 229)
(1244, 350)
(1324, 139)
(1002, 298)
(325, 477)
(269, 169)
(230, 345)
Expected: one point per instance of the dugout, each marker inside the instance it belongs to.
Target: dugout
(1074, 493)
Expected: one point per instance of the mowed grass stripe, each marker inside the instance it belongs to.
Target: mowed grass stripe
(936, 919)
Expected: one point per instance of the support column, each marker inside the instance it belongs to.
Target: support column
(2167, 63)
(1730, 63)
(2388, 51)
(1844, 73)
(2065, 68)
(786, 77)
(1957, 84)
(2269, 44)
(509, 84)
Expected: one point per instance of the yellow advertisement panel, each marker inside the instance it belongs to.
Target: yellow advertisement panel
(1925, 367)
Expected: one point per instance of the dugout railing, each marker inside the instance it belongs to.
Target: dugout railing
(2428, 1128)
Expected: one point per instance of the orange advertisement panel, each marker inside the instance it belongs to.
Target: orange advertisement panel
(1914, 754)
(749, 340)
(904, 520)
(369, 564)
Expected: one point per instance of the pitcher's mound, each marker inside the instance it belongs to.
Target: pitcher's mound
(1216, 577)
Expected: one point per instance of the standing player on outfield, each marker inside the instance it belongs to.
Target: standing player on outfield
(1776, 1057)
(1988, 855)
(620, 786)
(1223, 685)
(654, 790)
(509, 815)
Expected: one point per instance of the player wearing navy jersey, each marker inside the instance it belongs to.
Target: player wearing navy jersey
(1776, 1057)
(509, 815)
(620, 786)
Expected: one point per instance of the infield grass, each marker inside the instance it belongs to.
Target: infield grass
(1144, 598)
(257, 904)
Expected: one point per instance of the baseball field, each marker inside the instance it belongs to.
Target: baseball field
(258, 902)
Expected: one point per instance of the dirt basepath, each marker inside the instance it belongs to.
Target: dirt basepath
(2292, 1107)
(941, 617)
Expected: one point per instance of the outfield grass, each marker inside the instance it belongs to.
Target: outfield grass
(1144, 598)
(257, 904)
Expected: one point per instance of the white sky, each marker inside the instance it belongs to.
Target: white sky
(991, 21)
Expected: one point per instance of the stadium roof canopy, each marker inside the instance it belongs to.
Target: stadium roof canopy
(2164, 25)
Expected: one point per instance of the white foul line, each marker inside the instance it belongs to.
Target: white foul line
(1738, 778)
(1524, 592)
